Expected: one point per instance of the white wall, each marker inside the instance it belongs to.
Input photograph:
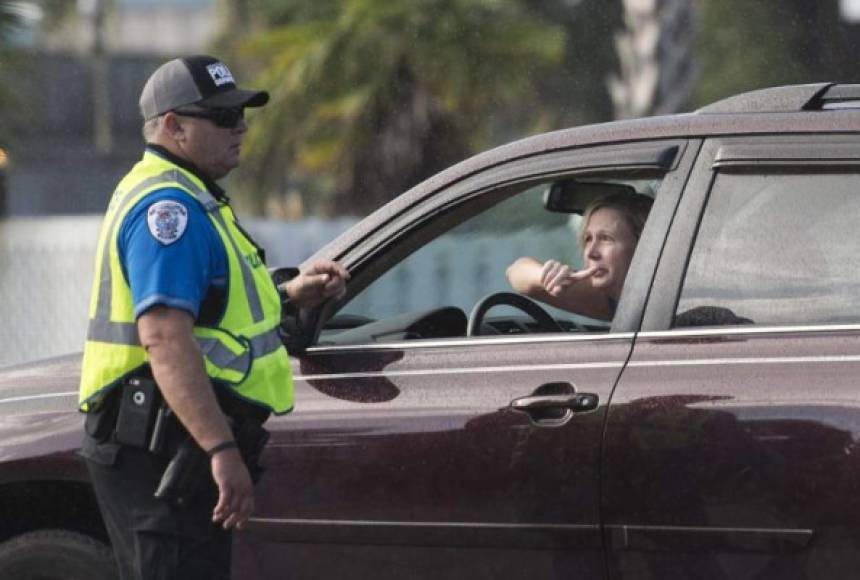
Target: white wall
(46, 269)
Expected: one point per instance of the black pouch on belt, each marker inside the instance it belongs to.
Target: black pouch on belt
(101, 420)
(137, 407)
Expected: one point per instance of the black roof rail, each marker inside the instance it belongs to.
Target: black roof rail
(776, 99)
(837, 97)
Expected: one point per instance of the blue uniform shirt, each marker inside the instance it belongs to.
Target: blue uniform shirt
(178, 271)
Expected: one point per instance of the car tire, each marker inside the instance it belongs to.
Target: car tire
(56, 555)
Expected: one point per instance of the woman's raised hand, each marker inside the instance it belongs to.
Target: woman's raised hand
(556, 276)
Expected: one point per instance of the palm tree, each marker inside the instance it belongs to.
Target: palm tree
(371, 96)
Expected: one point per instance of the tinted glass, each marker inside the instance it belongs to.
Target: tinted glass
(778, 249)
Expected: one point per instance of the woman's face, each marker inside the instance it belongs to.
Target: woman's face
(609, 247)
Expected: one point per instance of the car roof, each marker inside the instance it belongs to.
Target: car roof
(794, 109)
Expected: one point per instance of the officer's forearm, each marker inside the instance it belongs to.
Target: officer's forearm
(178, 368)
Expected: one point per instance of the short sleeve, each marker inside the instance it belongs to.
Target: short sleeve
(170, 252)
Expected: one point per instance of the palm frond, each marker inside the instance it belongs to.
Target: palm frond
(359, 84)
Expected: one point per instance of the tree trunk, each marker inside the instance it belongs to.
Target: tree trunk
(102, 115)
(656, 73)
(234, 15)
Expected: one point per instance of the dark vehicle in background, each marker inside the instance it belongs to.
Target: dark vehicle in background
(445, 428)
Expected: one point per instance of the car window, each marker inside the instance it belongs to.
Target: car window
(775, 249)
(457, 269)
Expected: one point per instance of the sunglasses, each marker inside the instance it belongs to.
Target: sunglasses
(226, 118)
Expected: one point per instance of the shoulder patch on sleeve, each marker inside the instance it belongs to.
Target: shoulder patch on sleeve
(167, 221)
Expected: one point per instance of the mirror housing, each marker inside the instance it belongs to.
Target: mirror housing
(571, 196)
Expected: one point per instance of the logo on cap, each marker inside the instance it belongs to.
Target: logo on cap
(220, 74)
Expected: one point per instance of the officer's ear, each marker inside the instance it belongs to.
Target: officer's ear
(173, 126)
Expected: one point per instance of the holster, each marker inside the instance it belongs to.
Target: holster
(136, 415)
(188, 466)
(187, 469)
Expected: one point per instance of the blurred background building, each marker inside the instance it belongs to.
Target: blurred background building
(76, 125)
(70, 129)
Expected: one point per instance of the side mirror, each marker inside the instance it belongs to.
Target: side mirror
(571, 196)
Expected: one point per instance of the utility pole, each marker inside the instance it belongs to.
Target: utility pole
(4, 162)
(657, 72)
(97, 11)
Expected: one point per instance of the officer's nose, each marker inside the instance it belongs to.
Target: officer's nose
(241, 126)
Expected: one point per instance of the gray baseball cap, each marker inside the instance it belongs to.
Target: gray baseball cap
(195, 80)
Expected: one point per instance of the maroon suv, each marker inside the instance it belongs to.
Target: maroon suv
(446, 428)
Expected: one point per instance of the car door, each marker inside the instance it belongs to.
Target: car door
(454, 456)
(731, 444)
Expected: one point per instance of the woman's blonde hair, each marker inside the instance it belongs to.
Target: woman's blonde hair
(633, 207)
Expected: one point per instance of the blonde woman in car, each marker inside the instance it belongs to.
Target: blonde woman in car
(611, 231)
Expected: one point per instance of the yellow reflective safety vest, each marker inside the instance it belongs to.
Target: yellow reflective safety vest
(243, 352)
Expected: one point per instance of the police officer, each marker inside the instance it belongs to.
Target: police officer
(183, 308)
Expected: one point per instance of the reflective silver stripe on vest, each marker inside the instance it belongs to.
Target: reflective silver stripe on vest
(212, 206)
(222, 357)
(219, 355)
(113, 332)
(254, 304)
(266, 343)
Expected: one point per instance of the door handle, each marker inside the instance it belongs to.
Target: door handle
(576, 402)
(554, 404)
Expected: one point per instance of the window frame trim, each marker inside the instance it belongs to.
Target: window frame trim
(663, 155)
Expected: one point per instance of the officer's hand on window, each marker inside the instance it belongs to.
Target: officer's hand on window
(320, 281)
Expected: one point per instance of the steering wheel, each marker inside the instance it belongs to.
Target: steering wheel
(546, 323)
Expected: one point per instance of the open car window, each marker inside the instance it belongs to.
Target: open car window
(433, 291)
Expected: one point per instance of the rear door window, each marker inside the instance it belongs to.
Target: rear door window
(775, 248)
